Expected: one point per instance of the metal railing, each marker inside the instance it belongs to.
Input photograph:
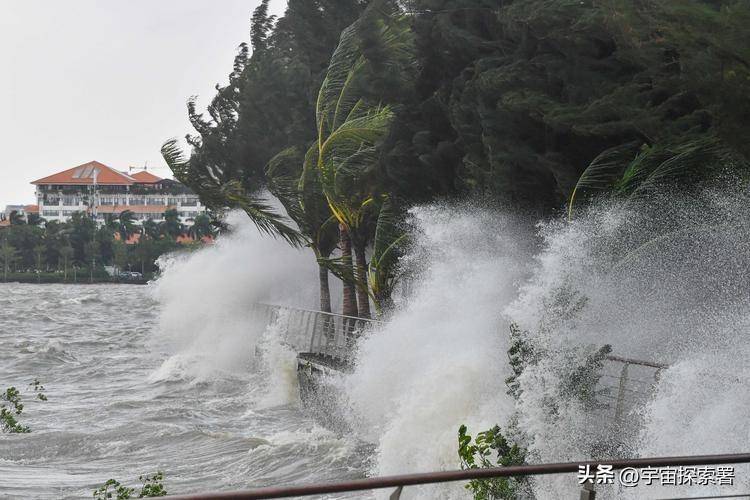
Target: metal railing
(631, 383)
(401, 481)
(330, 336)
(625, 384)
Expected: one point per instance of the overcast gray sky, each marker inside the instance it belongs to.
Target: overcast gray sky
(106, 80)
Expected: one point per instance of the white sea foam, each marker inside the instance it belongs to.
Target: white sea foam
(206, 296)
(664, 281)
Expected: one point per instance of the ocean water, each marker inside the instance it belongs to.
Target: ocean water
(125, 400)
(180, 376)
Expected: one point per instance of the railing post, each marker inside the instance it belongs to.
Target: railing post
(588, 493)
(620, 407)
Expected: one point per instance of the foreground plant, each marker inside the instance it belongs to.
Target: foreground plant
(11, 407)
(490, 449)
(152, 487)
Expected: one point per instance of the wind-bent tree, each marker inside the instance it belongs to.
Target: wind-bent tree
(351, 123)
(388, 244)
(127, 226)
(294, 179)
(635, 169)
(219, 193)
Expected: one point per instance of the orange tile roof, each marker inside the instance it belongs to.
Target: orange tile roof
(84, 174)
(31, 209)
(132, 239)
(145, 177)
(186, 238)
(4, 222)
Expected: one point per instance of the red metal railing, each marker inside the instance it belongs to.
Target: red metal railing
(461, 475)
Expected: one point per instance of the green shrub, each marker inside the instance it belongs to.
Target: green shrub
(491, 449)
(11, 407)
(152, 487)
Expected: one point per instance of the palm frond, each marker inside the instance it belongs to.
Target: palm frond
(283, 173)
(263, 215)
(175, 159)
(603, 172)
(691, 161)
(387, 249)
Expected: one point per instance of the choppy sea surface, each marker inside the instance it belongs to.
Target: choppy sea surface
(120, 406)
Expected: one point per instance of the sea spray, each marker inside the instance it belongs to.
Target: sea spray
(662, 279)
(440, 360)
(277, 364)
(207, 296)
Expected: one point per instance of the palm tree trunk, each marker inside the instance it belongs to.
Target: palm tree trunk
(325, 291)
(350, 296)
(363, 299)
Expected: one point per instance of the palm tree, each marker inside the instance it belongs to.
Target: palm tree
(126, 226)
(66, 252)
(634, 169)
(231, 195)
(349, 130)
(202, 227)
(296, 183)
(387, 248)
(150, 229)
(171, 226)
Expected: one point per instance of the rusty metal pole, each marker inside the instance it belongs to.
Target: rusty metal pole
(620, 405)
(588, 493)
(460, 475)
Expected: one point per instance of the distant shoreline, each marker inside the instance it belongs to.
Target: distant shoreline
(81, 280)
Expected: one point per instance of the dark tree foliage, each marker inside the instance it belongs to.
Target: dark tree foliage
(517, 97)
(533, 103)
(269, 103)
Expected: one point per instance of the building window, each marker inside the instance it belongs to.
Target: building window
(137, 201)
(50, 213)
(106, 200)
(70, 201)
(190, 202)
(68, 213)
(173, 201)
(155, 201)
(52, 200)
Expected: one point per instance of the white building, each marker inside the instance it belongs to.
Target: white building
(97, 189)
